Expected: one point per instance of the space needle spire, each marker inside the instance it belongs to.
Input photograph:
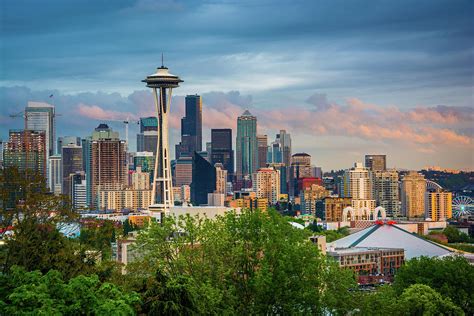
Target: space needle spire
(162, 84)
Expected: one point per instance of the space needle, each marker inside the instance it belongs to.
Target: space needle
(162, 84)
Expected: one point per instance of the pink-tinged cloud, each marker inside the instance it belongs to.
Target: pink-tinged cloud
(98, 113)
(420, 126)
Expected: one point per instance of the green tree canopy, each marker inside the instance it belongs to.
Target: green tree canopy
(251, 262)
(33, 293)
(452, 277)
(420, 299)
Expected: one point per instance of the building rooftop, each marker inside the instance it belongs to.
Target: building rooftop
(352, 250)
(391, 236)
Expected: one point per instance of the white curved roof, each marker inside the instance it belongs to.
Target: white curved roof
(391, 236)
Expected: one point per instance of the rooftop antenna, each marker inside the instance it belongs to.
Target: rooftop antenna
(162, 64)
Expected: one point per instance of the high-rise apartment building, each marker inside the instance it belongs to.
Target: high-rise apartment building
(204, 180)
(2, 145)
(282, 170)
(246, 145)
(358, 185)
(333, 208)
(221, 179)
(183, 172)
(26, 150)
(221, 149)
(66, 140)
(376, 162)
(438, 205)
(413, 191)
(310, 196)
(262, 147)
(386, 191)
(55, 174)
(191, 127)
(266, 184)
(107, 162)
(40, 116)
(78, 190)
(71, 155)
(148, 136)
(128, 199)
(140, 180)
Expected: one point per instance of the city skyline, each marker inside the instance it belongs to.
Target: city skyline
(341, 92)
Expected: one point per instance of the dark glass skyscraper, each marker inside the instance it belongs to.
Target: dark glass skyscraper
(221, 149)
(191, 127)
(71, 158)
(204, 180)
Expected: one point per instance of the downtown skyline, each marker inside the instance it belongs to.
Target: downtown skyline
(342, 91)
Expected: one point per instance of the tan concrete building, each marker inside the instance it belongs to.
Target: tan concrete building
(266, 184)
(221, 179)
(124, 199)
(309, 197)
(333, 207)
(413, 191)
(357, 183)
(386, 191)
(140, 180)
(438, 205)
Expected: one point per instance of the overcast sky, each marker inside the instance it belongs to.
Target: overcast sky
(345, 78)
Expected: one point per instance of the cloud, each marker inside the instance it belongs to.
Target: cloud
(423, 129)
(97, 113)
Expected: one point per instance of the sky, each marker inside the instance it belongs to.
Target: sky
(344, 78)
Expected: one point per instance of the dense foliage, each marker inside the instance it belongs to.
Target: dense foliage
(248, 263)
(239, 263)
(452, 277)
(33, 293)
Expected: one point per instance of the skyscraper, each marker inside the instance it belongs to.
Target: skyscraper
(204, 180)
(66, 140)
(266, 184)
(40, 116)
(386, 191)
(358, 183)
(183, 171)
(26, 150)
(221, 149)
(376, 162)
(107, 162)
(54, 174)
(413, 191)
(71, 155)
(191, 127)
(262, 145)
(78, 190)
(148, 136)
(438, 205)
(246, 145)
(284, 139)
(300, 168)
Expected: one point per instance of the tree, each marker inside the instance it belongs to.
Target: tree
(248, 263)
(420, 299)
(454, 235)
(33, 293)
(35, 216)
(452, 277)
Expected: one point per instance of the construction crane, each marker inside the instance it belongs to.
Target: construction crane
(126, 122)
